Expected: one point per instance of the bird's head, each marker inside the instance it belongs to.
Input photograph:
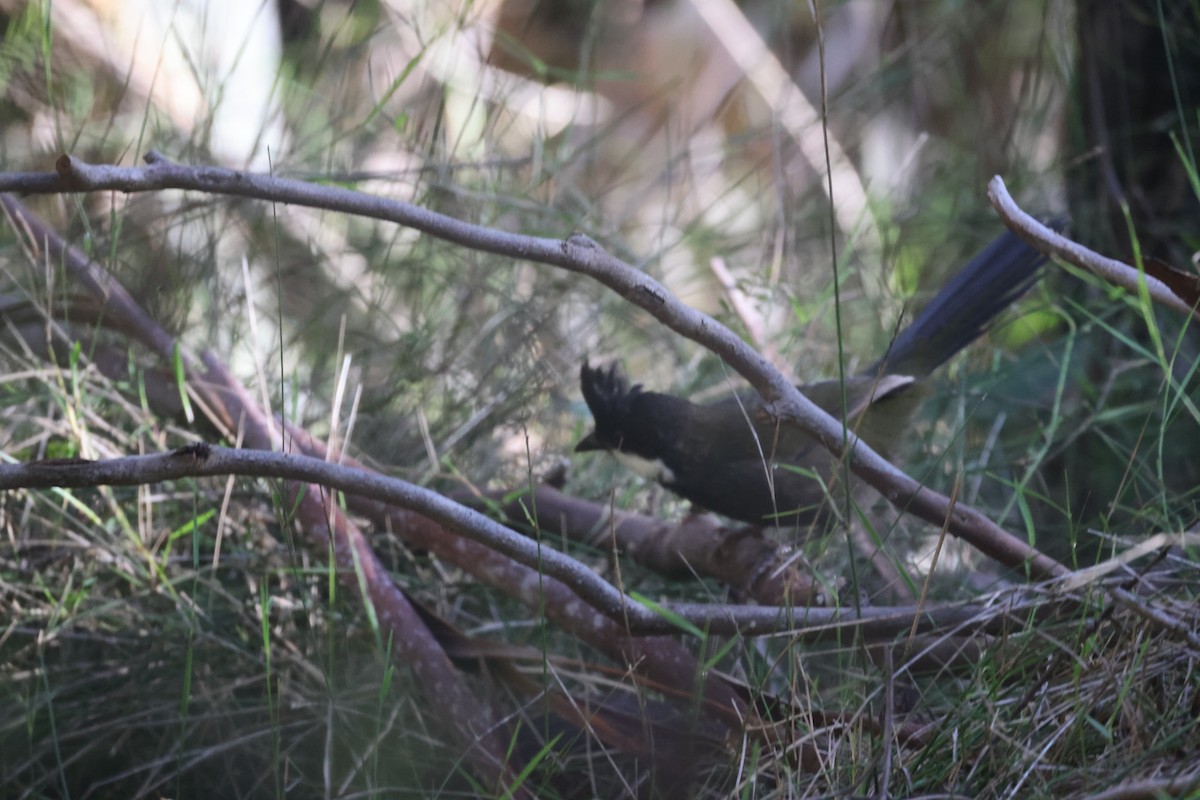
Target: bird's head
(610, 399)
(629, 421)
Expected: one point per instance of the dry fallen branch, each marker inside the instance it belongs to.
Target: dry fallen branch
(698, 545)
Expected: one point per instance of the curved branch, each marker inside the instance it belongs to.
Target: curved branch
(1053, 243)
(211, 461)
(577, 254)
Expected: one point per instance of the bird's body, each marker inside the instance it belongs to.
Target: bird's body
(731, 458)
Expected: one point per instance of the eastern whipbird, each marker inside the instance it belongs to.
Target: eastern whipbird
(729, 458)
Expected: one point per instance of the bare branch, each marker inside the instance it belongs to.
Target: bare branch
(577, 254)
(206, 460)
(211, 461)
(1053, 243)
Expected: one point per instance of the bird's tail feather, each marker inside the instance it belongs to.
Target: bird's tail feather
(965, 306)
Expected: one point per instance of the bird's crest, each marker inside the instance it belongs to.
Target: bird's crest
(610, 399)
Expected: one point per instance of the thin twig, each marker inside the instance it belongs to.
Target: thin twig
(1052, 243)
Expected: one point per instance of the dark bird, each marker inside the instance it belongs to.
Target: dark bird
(728, 457)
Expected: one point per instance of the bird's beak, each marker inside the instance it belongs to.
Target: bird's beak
(589, 443)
